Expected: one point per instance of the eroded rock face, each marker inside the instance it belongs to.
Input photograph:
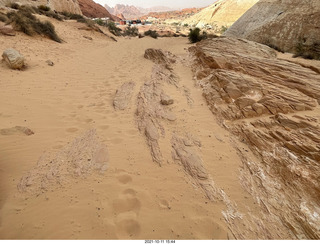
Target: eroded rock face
(123, 96)
(150, 109)
(71, 6)
(13, 58)
(272, 105)
(84, 156)
(281, 23)
(220, 13)
(94, 10)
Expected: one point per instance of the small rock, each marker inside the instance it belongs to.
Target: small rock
(13, 58)
(88, 37)
(7, 30)
(49, 62)
(166, 100)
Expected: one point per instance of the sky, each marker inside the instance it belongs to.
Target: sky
(177, 4)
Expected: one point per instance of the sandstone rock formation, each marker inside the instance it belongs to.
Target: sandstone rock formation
(176, 15)
(272, 105)
(84, 156)
(133, 12)
(221, 13)
(94, 10)
(123, 96)
(285, 24)
(150, 109)
(13, 58)
(71, 6)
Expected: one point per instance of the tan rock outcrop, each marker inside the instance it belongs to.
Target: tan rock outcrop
(94, 10)
(272, 105)
(221, 13)
(71, 6)
(285, 24)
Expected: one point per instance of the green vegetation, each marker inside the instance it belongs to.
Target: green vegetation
(3, 17)
(100, 22)
(27, 23)
(195, 35)
(185, 25)
(307, 51)
(131, 31)
(114, 29)
(223, 29)
(43, 8)
(151, 33)
(73, 16)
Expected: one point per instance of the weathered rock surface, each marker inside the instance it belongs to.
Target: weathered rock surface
(7, 30)
(285, 24)
(220, 13)
(84, 156)
(71, 6)
(123, 96)
(150, 109)
(166, 99)
(94, 10)
(184, 150)
(13, 58)
(271, 105)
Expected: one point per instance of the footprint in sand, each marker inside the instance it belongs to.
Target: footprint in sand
(126, 202)
(72, 130)
(127, 225)
(124, 179)
(164, 204)
(127, 208)
(116, 141)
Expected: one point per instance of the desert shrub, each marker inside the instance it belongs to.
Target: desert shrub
(3, 17)
(27, 23)
(114, 29)
(30, 9)
(47, 28)
(151, 33)
(131, 31)
(52, 14)
(100, 22)
(43, 8)
(195, 35)
(307, 51)
(73, 16)
(270, 44)
(13, 5)
(185, 25)
(223, 29)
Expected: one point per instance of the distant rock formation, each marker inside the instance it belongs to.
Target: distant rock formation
(94, 10)
(221, 13)
(174, 15)
(133, 12)
(285, 24)
(71, 6)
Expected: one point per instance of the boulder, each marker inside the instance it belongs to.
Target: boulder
(7, 30)
(13, 58)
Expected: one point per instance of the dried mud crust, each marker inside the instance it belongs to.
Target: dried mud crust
(271, 105)
(82, 157)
